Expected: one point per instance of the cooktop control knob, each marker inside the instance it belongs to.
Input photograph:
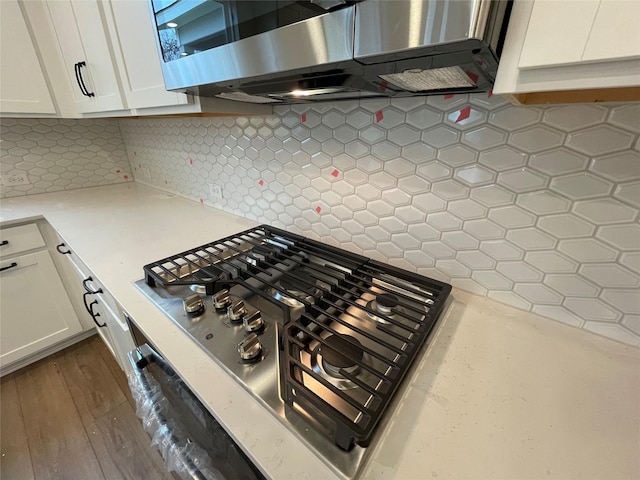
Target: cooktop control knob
(193, 304)
(236, 311)
(253, 322)
(250, 348)
(221, 300)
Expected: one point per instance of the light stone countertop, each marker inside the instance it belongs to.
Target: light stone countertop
(501, 393)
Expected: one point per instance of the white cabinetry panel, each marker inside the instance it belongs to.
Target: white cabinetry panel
(133, 36)
(35, 311)
(23, 87)
(557, 33)
(83, 38)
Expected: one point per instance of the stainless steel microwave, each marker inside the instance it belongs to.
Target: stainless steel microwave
(292, 51)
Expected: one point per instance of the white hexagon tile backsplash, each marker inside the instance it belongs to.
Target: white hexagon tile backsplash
(60, 155)
(534, 207)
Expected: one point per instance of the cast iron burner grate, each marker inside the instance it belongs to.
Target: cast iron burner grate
(387, 342)
(384, 313)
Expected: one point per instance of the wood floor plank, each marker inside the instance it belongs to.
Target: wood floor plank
(58, 443)
(93, 387)
(124, 448)
(16, 459)
(115, 369)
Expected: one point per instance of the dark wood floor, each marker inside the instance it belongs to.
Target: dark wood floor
(71, 416)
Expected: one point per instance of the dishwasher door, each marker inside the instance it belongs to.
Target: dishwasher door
(191, 442)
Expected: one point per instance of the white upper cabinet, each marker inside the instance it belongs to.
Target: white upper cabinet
(23, 87)
(136, 55)
(559, 45)
(88, 61)
(98, 58)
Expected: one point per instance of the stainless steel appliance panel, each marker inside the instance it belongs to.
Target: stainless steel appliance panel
(314, 42)
(387, 26)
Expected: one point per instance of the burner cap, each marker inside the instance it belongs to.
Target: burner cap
(335, 346)
(387, 300)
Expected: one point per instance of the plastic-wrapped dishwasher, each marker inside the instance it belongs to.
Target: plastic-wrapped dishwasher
(179, 452)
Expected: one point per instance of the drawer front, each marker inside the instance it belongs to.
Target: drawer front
(20, 239)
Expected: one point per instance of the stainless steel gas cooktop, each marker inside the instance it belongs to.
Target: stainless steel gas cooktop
(321, 336)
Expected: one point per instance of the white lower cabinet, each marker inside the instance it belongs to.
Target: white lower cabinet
(35, 310)
(100, 308)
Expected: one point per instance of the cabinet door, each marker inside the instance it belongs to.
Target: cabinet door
(132, 36)
(23, 87)
(615, 34)
(82, 38)
(35, 311)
